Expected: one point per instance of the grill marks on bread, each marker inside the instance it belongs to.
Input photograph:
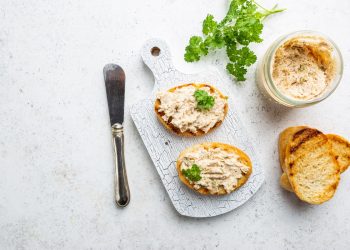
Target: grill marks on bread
(302, 137)
(340, 149)
(310, 166)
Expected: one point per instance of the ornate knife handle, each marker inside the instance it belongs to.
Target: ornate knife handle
(122, 193)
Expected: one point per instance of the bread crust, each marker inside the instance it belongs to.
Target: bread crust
(177, 131)
(242, 156)
(307, 183)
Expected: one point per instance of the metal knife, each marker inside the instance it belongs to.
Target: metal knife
(114, 77)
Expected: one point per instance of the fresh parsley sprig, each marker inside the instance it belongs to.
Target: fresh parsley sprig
(241, 26)
(193, 173)
(204, 100)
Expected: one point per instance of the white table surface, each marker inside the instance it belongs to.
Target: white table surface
(56, 159)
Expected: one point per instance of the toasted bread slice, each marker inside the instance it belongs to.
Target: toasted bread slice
(176, 130)
(284, 182)
(341, 151)
(283, 140)
(311, 167)
(243, 158)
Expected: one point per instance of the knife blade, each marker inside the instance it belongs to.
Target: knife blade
(114, 78)
(115, 87)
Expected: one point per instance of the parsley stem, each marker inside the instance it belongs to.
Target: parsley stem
(270, 12)
(261, 6)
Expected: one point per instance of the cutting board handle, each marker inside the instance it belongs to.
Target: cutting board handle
(156, 55)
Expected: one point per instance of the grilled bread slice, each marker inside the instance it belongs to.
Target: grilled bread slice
(341, 151)
(169, 126)
(311, 167)
(243, 158)
(284, 182)
(283, 140)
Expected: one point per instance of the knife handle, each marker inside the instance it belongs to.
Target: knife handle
(122, 192)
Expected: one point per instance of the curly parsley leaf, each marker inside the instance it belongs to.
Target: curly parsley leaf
(193, 173)
(195, 49)
(203, 99)
(241, 26)
(209, 25)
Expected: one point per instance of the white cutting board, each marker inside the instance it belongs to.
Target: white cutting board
(164, 147)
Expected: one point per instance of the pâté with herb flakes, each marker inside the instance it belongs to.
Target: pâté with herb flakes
(191, 109)
(213, 168)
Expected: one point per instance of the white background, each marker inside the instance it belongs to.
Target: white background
(56, 161)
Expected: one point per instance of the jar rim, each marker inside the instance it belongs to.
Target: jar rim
(269, 56)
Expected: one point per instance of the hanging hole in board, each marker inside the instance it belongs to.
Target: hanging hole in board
(155, 51)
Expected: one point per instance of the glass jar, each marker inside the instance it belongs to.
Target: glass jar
(266, 81)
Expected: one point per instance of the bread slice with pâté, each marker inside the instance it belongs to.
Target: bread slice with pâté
(213, 168)
(176, 117)
(311, 167)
